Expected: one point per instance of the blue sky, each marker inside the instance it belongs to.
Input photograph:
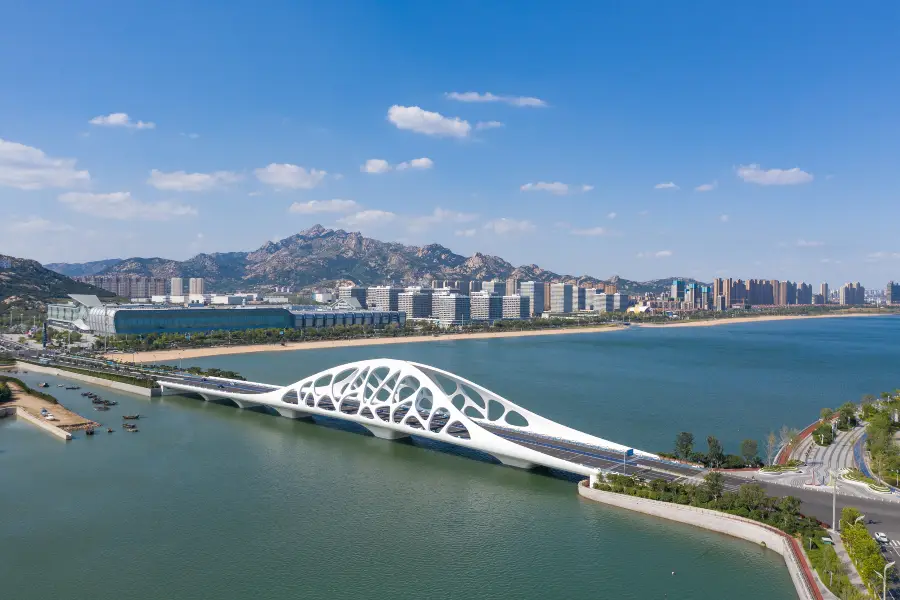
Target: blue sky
(543, 134)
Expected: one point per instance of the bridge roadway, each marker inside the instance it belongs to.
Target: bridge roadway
(571, 451)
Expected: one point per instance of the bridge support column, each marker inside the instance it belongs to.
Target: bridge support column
(243, 403)
(514, 462)
(293, 414)
(593, 479)
(207, 397)
(384, 433)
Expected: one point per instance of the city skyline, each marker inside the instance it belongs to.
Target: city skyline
(763, 155)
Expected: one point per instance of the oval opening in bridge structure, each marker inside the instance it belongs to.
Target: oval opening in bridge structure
(515, 419)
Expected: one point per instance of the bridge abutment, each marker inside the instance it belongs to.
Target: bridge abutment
(515, 462)
(385, 433)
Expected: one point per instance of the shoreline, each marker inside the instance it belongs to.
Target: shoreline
(153, 356)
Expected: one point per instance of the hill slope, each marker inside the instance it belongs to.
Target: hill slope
(26, 284)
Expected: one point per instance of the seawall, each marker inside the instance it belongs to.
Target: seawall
(116, 385)
(47, 426)
(739, 527)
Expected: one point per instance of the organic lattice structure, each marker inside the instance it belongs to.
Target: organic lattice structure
(394, 399)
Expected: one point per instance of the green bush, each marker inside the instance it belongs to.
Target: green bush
(5, 392)
(822, 435)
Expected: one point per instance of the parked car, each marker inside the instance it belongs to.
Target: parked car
(881, 538)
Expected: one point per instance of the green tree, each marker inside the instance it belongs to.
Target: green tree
(826, 413)
(771, 447)
(714, 483)
(684, 445)
(5, 392)
(749, 450)
(715, 455)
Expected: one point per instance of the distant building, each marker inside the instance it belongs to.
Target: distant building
(818, 299)
(452, 309)
(416, 304)
(512, 286)
(177, 286)
(276, 300)
(383, 297)
(604, 303)
(353, 291)
(486, 306)
(196, 285)
(534, 291)
(494, 287)
(852, 294)
(823, 291)
(677, 289)
(892, 293)
(579, 298)
(516, 306)
(721, 303)
(620, 302)
(610, 288)
(560, 297)
(323, 297)
(547, 297)
(804, 293)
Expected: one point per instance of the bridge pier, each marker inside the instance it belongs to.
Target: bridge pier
(514, 462)
(243, 403)
(290, 413)
(384, 433)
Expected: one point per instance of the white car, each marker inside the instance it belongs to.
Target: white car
(881, 538)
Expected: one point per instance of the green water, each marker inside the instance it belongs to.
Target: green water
(208, 501)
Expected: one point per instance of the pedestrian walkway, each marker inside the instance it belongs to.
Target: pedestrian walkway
(849, 568)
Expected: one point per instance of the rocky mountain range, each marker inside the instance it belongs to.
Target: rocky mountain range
(320, 256)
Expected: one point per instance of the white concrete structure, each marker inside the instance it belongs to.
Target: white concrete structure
(395, 399)
(196, 286)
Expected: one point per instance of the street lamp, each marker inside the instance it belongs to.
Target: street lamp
(884, 579)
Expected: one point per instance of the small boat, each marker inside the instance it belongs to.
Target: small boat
(133, 430)
(109, 430)
(60, 385)
(89, 431)
(73, 387)
(110, 402)
(130, 417)
(128, 426)
(101, 407)
(44, 385)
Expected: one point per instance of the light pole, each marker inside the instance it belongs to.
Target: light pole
(884, 579)
(834, 523)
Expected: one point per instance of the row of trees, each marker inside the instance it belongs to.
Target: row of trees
(864, 551)
(881, 429)
(5, 392)
(715, 456)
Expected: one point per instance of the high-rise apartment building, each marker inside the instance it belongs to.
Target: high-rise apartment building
(383, 297)
(357, 292)
(604, 303)
(561, 297)
(534, 291)
(196, 285)
(609, 288)
(892, 293)
(547, 296)
(177, 287)
(823, 291)
(127, 286)
(416, 303)
(494, 287)
(678, 290)
(804, 293)
(512, 285)
(620, 302)
(486, 306)
(579, 298)
(516, 306)
(852, 294)
(452, 309)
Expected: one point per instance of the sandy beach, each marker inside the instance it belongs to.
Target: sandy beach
(170, 355)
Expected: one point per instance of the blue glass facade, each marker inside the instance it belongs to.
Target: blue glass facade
(138, 321)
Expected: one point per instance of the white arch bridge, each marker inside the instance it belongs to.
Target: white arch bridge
(395, 399)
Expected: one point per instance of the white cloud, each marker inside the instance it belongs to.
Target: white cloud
(663, 254)
(287, 176)
(556, 187)
(505, 226)
(481, 125)
(368, 217)
(378, 165)
(415, 119)
(464, 233)
(586, 188)
(416, 163)
(123, 207)
(666, 186)
(593, 231)
(192, 136)
(37, 225)
(314, 207)
(644, 213)
(611, 215)
(808, 244)
(28, 168)
(754, 174)
(437, 217)
(707, 187)
(179, 181)
(882, 255)
(724, 218)
(489, 97)
(121, 120)
(375, 166)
